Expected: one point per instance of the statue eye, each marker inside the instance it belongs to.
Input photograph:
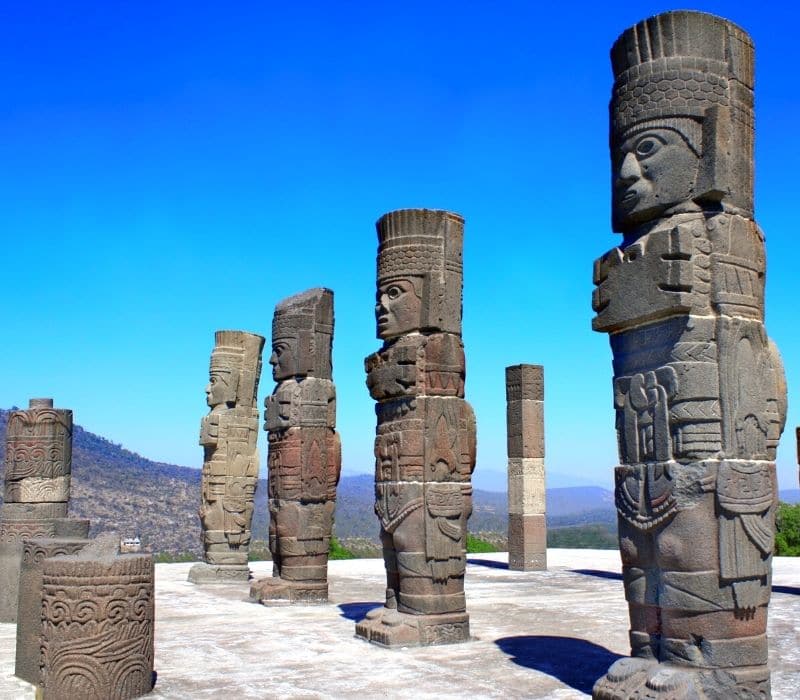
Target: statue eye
(647, 146)
(394, 292)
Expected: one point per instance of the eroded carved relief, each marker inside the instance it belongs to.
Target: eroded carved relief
(304, 450)
(97, 615)
(425, 436)
(699, 391)
(228, 435)
(36, 494)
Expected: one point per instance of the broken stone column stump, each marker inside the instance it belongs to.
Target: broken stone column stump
(97, 624)
(527, 527)
(29, 623)
(37, 485)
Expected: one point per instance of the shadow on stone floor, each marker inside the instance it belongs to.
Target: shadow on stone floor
(790, 590)
(613, 575)
(575, 662)
(357, 611)
(488, 563)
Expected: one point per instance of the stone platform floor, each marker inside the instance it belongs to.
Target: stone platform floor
(546, 634)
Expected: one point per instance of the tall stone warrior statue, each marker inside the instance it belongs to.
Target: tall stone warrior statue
(228, 435)
(425, 436)
(699, 391)
(37, 488)
(304, 452)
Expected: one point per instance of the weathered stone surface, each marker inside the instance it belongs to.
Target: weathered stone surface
(38, 467)
(228, 435)
(527, 531)
(304, 451)
(425, 435)
(29, 627)
(699, 390)
(527, 542)
(526, 486)
(97, 623)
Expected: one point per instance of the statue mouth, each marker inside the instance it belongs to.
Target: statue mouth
(629, 199)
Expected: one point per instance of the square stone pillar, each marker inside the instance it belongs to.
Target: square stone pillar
(527, 529)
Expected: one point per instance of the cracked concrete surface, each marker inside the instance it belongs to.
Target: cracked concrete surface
(539, 634)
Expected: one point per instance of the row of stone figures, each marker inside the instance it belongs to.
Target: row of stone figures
(84, 607)
(698, 390)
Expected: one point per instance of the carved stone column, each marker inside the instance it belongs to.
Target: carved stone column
(228, 435)
(425, 437)
(37, 481)
(304, 451)
(97, 617)
(29, 626)
(698, 386)
(527, 528)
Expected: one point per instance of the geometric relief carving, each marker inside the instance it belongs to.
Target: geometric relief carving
(425, 433)
(36, 490)
(228, 435)
(97, 625)
(699, 389)
(304, 449)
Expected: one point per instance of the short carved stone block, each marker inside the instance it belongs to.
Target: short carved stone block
(97, 625)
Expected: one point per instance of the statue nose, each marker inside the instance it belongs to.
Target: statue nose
(629, 171)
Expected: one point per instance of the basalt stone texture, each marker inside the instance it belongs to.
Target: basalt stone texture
(425, 435)
(304, 450)
(699, 391)
(527, 531)
(228, 435)
(29, 626)
(97, 623)
(37, 480)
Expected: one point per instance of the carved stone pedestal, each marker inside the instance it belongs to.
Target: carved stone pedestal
(390, 628)
(269, 590)
(647, 678)
(211, 573)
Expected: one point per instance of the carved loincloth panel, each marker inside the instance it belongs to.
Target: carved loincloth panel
(399, 441)
(97, 627)
(668, 396)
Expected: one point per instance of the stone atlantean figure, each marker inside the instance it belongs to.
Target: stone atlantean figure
(304, 451)
(228, 435)
(425, 437)
(527, 526)
(699, 391)
(97, 623)
(37, 483)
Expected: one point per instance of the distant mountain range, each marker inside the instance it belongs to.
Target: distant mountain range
(122, 491)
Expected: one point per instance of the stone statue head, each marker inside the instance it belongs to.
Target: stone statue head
(302, 335)
(419, 272)
(235, 369)
(681, 118)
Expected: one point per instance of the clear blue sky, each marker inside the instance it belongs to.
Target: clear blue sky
(169, 169)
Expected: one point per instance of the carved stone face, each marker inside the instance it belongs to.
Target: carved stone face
(218, 389)
(284, 358)
(398, 309)
(656, 169)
